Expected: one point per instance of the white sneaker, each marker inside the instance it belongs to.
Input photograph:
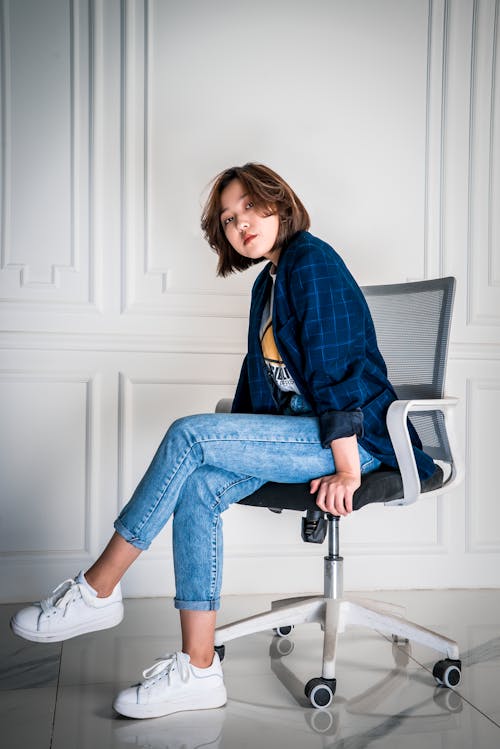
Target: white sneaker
(171, 685)
(72, 609)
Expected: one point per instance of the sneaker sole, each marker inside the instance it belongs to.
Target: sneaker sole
(82, 629)
(215, 698)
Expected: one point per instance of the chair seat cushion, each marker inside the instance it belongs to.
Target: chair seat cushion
(379, 486)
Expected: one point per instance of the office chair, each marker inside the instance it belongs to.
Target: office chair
(412, 321)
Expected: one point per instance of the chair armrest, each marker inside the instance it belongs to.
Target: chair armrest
(224, 406)
(398, 431)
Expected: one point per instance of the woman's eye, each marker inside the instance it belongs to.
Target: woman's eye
(250, 205)
(227, 220)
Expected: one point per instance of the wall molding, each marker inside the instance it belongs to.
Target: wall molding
(168, 343)
(437, 70)
(81, 172)
(473, 544)
(125, 428)
(494, 149)
(353, 549)
(5, 128)
(293, 551)
(483, 169)
(153, 343)
(474, 350)
(91, 461)
(137, 263)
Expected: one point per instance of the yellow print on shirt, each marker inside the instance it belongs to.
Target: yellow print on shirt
(274, 362)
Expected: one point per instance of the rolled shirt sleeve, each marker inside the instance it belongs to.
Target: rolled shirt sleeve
(336, 424)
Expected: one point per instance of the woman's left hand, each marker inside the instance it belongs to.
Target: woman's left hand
(335, 492)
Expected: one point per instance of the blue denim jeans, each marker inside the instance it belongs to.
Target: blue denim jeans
(203, 465)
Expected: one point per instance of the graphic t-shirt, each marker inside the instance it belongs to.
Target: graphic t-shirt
(272, 357)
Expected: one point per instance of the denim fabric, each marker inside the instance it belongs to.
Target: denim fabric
(203, 465)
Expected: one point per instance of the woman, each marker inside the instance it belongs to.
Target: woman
(310, 406)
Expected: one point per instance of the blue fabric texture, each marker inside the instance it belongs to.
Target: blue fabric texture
(325, 334)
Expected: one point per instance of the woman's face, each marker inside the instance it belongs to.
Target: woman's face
(250, 233)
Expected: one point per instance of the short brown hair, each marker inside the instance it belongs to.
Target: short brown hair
(266, 189)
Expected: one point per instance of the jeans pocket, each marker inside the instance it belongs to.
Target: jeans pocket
(369, 465)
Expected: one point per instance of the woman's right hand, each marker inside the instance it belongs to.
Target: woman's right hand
(335, 492)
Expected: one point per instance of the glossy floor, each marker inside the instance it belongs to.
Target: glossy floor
(59, 696)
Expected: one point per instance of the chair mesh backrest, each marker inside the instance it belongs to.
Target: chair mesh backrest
(413, 322)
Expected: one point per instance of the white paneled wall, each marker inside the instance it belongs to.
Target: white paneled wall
(115, 115)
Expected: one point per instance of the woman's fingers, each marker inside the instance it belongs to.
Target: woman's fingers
(334, 493)
(332, 499)
(315, 483)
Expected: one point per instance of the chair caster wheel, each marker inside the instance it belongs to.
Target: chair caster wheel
(283, 631)
(284, 646)
(324, 722)
(320, 691)
(221, 651)
(447, 672)
(447, 699)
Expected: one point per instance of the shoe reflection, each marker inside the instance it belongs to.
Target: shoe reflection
(187, 730)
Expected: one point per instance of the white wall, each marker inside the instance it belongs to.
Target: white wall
(115, 116)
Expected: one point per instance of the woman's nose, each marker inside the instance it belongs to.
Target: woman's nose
(243, 223)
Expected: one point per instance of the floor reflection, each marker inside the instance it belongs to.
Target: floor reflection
(60, 696)
(203, 728)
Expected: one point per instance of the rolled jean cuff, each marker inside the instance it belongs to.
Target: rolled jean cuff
(197, 605)
(129, 537)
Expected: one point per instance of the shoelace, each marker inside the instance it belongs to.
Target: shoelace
(61, 596)
(164, 666)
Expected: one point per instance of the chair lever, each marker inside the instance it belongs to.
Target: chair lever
(314, 527)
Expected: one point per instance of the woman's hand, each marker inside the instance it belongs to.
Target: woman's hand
(335, 492)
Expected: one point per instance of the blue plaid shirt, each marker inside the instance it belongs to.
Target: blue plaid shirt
(326, 337)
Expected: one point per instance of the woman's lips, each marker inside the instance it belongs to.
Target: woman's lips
(249, 238)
